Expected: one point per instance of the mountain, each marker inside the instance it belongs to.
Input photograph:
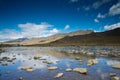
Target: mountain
(77, 38)
(45, 40)
(16, 41)
(111, 37)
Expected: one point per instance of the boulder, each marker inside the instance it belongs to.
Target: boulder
(92, 62)
(29, 70)
(25, 68)
(48, 62)
(77, 58)
(4, 64)
(53, 68)
(112, 74)
(10, 60)
(95, 61)
(80, 70)
(68, 69)
(115, 78)
(36, 57)
(58, 75)
(117, 66)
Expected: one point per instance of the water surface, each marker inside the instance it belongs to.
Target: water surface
(25, 57)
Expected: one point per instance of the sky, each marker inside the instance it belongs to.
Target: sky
(41, 18)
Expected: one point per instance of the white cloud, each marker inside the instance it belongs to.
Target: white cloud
(115, 9)
(67, 27)
(96, 20)
(97, 4)
(73, 1)
(101, 16)
(113, 26)
(29, 30)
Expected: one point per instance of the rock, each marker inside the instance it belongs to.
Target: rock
(21, 78)
(117, 66)
(104, 53)
(10, 60)
(59, 75)
(53, 68)
(112, 74)
(36, 57)
(13, 58)
(89, 63)
(48, 62)
(89, 54)
(42, 59)
(29, 70)
(68, 69)
(115, 78)
(77, 58)
(80, 70)
(95, 61)
(57, 61)
(80, 60)
(25, 68)
(4, 58)
(92, 62)
(4, 64)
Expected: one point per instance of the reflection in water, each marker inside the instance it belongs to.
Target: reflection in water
(25, 57)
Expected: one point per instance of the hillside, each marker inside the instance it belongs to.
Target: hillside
(77, 38)
(45, 40)
(111, 37)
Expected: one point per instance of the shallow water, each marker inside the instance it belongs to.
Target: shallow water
(25, 57)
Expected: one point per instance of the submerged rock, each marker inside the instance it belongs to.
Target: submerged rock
(48, 62)
(115, 78)
(68, 69)
(28, 69)
(57, 61)
(58, 75)
(36, 57)
(4, 64)
(117, 66)
(20, 78)
(53, 68)
(112, 74)
(5, 58)
(95, 61)
(92, 62)
(80, 70)
(77, 58)
(10, 60)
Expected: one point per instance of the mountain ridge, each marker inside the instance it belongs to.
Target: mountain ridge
(78, 38)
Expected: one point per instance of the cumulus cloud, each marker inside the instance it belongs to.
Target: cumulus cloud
(73, 1)
(96, 20)
(101, 16)
(113, 26)
(97, 4)
(29, 30)
(67, 27)
(115, 9)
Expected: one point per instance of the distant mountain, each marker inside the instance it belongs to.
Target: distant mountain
(16, 40)
(77, 38)
(45, 40)
(111, 37)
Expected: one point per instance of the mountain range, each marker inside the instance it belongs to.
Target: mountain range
(76, 38)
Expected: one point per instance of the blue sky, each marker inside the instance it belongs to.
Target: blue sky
(40, 18)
